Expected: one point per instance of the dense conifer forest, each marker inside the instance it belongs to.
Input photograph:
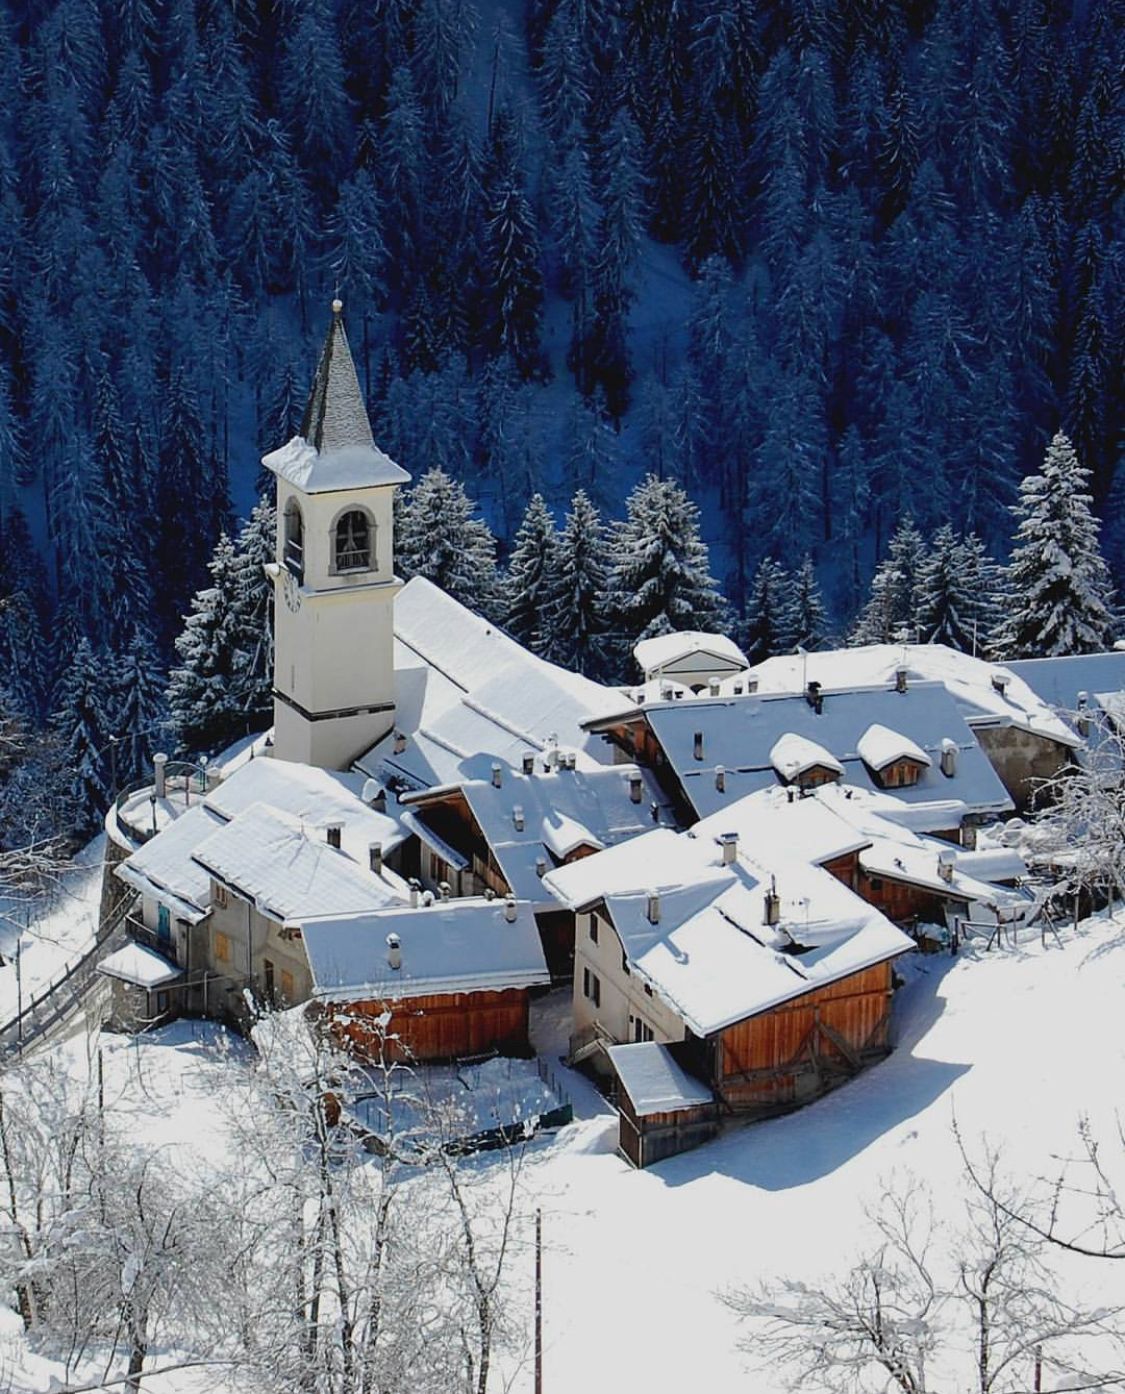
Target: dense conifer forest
(821, 271)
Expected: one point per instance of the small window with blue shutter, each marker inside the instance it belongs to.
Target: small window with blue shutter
(163, 924)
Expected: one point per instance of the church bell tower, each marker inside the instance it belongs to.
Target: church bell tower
(334, 581)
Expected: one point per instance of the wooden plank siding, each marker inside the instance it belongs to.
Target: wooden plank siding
(443, 1027)
(658, 1135)
(845, 869)
(899, 900)
(804, 1047)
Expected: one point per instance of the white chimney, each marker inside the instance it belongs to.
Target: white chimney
(948, 758)
(517, 817)
(510, 909)
(636, 784)
(394, 952)
(720, 779)
(415, 891)
(1000, 682)
(969, 837)
(399, 743)
(540, 867)
(751, 684)
(497, 775)
(772, 913)
(375, 857)
(901, 675)
(697, 745)
(666, 691)
(738, 689)
(713, 687)
(945, 863)
(1082, 721)
(159, 761)
(652, 909)
(729, 843)
(443, 889)
(333, 833)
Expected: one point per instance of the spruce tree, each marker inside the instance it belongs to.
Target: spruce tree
(1060, 595)
(808, 620)
(890, 613)
(82, 727)
(532, 581)
(439, 536)
(768, 622)
(202, 690)
(943, 604)
(139, 707)
(252, 604)
(661, 578)
(577, 611)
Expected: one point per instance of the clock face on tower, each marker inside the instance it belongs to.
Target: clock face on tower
(292, 588)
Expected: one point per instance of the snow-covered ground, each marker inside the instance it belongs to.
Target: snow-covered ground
(52, 932)
(1015, 1044)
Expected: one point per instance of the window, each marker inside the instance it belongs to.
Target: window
(161, 1003)
(591, 987)
(163, 924)
(642, 1031)
(287, 985)
(219, 896)
(222, 947)
(593, 929)
(294, 552)
(353, 541)
(900, 774)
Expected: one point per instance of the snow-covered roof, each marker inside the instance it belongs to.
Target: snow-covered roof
(163, 867)
(792, 755)
(740, 733)
(335, 448)
(560, 812)
(653, 1080)
(771, 824)
(1060, 681)
(315, 796)
(709, 956)
(992, 863)
(467, 694)
(689, 650)
(879, 747)
(288, 871)
(140, 966)
(968, 679)
(450, 946)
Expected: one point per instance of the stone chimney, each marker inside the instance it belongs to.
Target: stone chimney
(652, 907)
(729, 843)
(394, 952)
(949, 757)
(510, 909)
(375, 857)
(720, 779)
(636, 786)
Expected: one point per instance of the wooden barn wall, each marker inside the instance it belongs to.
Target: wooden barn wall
(899, 901)
(658, 1135)
(788, 1055)
(440, 1027)
(845, 868)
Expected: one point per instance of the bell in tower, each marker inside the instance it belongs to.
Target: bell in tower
(334, 573)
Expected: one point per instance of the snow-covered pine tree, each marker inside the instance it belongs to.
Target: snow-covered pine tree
(576, 615)
(955, 601)
(252, 605)
(532, 581)
(661, 580)
(82, 727)
(768, 620)
(139, 708)
(889, 614)
(1061, 600)
(808, 620)
(439, 536)
(203, 699)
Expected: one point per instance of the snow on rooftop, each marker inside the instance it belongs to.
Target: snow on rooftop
(968, 679)
(315, 796)
(770, 824)
(288, 870)
(348, 467)
(468, 694)
(879, 747)
(653, 1080)
(792, 755)
(739, 734)
(450, 946)
(709, 954)
(163, 867)
(658, 653)
(139, 966)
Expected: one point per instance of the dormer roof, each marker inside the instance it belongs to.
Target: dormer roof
(335, 449)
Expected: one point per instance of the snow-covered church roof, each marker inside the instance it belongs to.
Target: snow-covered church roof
(467, 695)
(335, 448)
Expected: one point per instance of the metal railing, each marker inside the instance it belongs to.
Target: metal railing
(180, 776)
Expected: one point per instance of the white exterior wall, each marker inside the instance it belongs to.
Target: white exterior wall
(623, 995)
(253, 939)
(335, 651)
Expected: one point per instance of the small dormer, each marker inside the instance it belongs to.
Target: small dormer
(804, 763)
(893, 760)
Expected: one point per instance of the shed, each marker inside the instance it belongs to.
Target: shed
(141, 981)
(663, 1110)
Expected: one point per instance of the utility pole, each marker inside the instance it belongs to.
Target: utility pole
(19, 998)
(538, 1302)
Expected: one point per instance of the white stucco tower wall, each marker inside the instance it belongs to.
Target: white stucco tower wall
(333, 574)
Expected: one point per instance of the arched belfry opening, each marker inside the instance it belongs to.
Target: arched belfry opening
(352, 541)
(294, 525)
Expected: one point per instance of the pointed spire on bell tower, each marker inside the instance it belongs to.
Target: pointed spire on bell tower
(335, 417)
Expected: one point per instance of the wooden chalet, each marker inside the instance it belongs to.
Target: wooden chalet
(428, 982)
(769, 982)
